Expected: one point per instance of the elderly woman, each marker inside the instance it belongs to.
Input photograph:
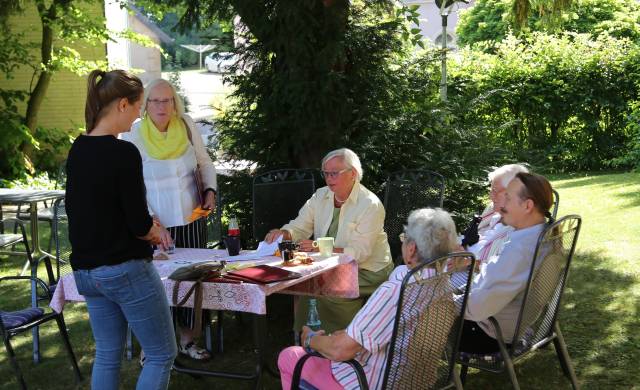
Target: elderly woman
(429, 233)
(354, 217)
(175, 162)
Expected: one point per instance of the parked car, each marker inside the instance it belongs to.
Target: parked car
(219, 62)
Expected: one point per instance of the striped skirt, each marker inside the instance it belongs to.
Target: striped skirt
(193, 235)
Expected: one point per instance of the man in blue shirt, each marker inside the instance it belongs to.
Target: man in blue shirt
(497, 290)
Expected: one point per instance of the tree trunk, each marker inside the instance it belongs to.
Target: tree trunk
(36, 96)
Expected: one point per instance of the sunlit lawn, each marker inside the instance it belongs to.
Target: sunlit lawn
(600, 318)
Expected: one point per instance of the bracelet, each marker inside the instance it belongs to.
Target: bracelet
(307, 342)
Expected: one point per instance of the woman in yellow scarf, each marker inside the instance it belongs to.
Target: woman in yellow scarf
(179, 177)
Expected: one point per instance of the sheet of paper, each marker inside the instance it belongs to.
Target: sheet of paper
(265, 249)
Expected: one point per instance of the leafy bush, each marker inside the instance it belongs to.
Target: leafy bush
(54, 145)
(559, 102)
(630, 158)
(490, 20)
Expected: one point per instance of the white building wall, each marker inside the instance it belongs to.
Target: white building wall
(117, 20)
(430, 20)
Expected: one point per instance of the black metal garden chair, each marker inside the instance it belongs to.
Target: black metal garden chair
(537, 323)
(13, 323)
(406, 191)
(556, 204)
(427, 327)
(278, 195)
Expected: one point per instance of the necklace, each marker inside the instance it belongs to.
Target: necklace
(338, 199)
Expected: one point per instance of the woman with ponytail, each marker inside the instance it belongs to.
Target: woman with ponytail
(175, 162)
(111, 234)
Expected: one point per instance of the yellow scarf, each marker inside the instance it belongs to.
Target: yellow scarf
(160, 147)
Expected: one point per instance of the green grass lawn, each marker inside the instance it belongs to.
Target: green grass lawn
(600, 317)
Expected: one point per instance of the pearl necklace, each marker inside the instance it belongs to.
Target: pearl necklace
(338, 200)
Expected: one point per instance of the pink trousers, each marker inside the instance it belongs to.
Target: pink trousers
(316, 371)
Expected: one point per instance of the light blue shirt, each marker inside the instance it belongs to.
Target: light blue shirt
(498, 288)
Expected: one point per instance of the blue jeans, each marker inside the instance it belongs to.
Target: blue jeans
(132, 293)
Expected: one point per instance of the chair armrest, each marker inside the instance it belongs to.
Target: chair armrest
(297, 372)
(38, 281)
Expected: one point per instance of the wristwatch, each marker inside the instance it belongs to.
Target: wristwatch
(307, 342)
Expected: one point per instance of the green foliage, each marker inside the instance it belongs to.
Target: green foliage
(558, 102)
(485, 21)
(66, 24)
(54, 145)
(490, 20)
(14, 136)
(631, 156)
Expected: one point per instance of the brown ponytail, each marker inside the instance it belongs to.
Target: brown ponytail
(103, 88)
(538, 189)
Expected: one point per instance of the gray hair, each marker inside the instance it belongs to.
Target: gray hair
(349, 158)
(433, 231)
(506, 173)
(177, 101)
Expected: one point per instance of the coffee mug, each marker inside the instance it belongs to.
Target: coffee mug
(325, 245)
(233, 245)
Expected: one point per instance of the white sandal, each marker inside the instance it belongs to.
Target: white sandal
(194, 352)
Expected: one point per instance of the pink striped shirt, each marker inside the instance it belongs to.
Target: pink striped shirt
(372, 328)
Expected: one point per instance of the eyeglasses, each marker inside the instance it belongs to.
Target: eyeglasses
(333, 174)
(160, 102)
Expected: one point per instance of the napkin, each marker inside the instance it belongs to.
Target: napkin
(265, 249)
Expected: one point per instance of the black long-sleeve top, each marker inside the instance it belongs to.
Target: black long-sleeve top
(106, 203)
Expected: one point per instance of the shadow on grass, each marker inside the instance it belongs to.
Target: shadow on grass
(600, 323)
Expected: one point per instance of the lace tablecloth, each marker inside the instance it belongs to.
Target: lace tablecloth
(335, 276)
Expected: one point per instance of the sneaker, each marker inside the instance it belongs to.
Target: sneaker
(194, 352)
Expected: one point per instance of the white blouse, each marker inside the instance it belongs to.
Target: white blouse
(171, 185)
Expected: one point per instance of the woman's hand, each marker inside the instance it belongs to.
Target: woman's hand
(305, 332)
(209, 201)
(166, 241)
(153, 236)
(275, 233)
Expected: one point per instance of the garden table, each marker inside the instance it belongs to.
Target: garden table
(13, 196)
(335, 276)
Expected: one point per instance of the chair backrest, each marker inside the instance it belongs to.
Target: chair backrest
(406, 191)
(428, 324)
(61, 239)
(547, 279)
(556, 204)
(61, 177)
(278, 196)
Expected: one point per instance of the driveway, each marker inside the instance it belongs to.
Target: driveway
(202, 89)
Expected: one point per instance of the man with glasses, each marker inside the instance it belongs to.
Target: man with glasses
(354, 217)
(497, 291)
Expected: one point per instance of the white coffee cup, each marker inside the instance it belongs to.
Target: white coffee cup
(325, 245)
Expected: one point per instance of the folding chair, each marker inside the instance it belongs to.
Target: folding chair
(537, 323)
(14, 323)
(406, 191)
(278, 196)
(427, 327)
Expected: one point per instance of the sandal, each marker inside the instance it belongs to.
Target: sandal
(143, 359)
(194, 352)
